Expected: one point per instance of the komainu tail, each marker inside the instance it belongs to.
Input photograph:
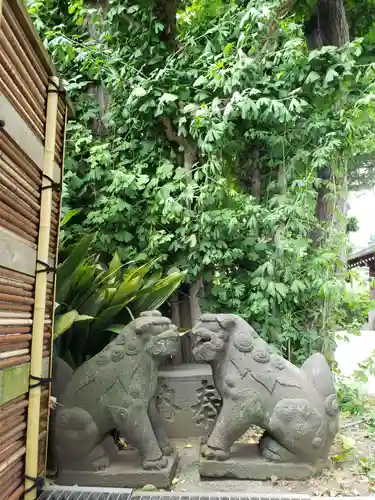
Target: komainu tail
(61, 375)
(318, 371)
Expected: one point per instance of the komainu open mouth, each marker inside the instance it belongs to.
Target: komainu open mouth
(200, 342)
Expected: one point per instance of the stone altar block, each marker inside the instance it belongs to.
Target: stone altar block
(246, 462)
(187, 400)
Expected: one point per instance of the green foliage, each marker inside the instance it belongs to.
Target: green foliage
(93, 298)
(258, 115)
(347, 447)
(352, 225)
(356, 304)
(352, 391)
(352, 396)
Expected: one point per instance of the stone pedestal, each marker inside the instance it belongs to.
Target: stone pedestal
(124, 472)
(371, 315)
(246, 463)
(187, 399)
(371, 320)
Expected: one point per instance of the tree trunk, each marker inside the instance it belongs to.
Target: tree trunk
(186, 324)
(189, 307)
(166, 11)
(324, 203)
(175, 316)
(189, 313)
(328, 26)
(256, 184)
(195, 310)
(97, 89)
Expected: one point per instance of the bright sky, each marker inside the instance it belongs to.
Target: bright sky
(362, 206)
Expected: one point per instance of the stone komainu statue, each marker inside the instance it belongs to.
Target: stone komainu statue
(116, 390)
(297, 408)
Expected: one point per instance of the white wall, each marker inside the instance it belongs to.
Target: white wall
(349, 353)
(362, 206)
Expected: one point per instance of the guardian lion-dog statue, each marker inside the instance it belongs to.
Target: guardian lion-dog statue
(297, 408)
(116, 390)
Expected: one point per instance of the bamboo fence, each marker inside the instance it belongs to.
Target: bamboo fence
(33, 112)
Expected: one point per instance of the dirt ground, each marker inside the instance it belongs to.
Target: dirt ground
(352, 472)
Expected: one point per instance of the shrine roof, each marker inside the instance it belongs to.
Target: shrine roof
(362, 258)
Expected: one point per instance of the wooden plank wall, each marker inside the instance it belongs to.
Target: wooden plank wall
(25, 74)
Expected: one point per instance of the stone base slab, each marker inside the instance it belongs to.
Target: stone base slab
(124, 472)
(246, 463)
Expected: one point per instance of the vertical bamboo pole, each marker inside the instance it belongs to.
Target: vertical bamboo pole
(54, 280)
(36, 365)
(1, 11)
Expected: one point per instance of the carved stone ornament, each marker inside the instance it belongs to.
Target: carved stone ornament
(296, 407)
(116, 389)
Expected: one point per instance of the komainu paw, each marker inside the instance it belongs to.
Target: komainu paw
(161, 463)
(212, 454)
(168, 449)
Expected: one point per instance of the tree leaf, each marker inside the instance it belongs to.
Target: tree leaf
(107, 315)
(149, 487)
(330, 76)
(69, 214)
(126, 289)
(115, 266)
(116, 328)
(65, 321)
(139, 92)
(312, 77)
(66, 271)
(191, 107)
(201, 80)
(155, 297)
(281, 289)
(168, 98)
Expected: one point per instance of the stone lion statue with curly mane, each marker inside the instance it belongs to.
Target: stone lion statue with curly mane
(116, 389)
(296, 407)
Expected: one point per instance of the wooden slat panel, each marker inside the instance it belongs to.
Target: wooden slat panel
(13, 418)
(14, 15)
(14, 494)
(17, 467)
(17, 255)
(20, 132)
(11, 151)
(11, 388)
(22, 135)
(36, 106)
(14, 382)
(25, 72)
(15, 96)
(14, 457)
